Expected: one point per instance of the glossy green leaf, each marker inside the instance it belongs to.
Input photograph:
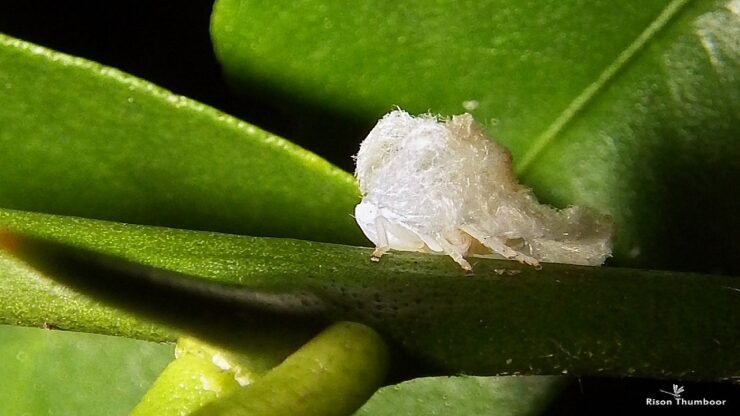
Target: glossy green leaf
(632, 109)
(507, 319)
(465, 396)
(78, 138)
(53, 373)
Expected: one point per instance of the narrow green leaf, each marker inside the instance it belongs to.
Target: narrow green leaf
(51, 372)
(98, 303)
(78, 138)
(633, 109)
(29, 297)
(465, 396)
(507, 319)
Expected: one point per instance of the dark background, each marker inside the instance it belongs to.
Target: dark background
(168, 43)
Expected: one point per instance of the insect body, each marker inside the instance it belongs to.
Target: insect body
(446, 187)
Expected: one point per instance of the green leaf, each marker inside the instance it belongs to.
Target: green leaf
(32, 298)
(630, 109)
(464, 396)
(507, 319)
(78, 138)
(51, 372)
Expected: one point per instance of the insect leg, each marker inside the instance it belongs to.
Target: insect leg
(498, 246)
(382, 246)
(456, 255)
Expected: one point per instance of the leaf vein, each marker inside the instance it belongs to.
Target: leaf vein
(666, 16)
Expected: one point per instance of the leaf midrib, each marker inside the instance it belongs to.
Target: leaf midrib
(588, 94)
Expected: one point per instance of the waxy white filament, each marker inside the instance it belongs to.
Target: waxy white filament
(446, 187)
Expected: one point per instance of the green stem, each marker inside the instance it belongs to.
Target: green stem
(332, 375)
(187, 384)
(203, 371)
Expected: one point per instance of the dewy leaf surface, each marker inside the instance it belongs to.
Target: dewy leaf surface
(507, 319)
(78, 138)
(631, 108)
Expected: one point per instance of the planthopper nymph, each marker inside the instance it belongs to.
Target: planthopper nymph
(446, 187)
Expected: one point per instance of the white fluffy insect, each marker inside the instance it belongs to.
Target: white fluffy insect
(446, 187)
